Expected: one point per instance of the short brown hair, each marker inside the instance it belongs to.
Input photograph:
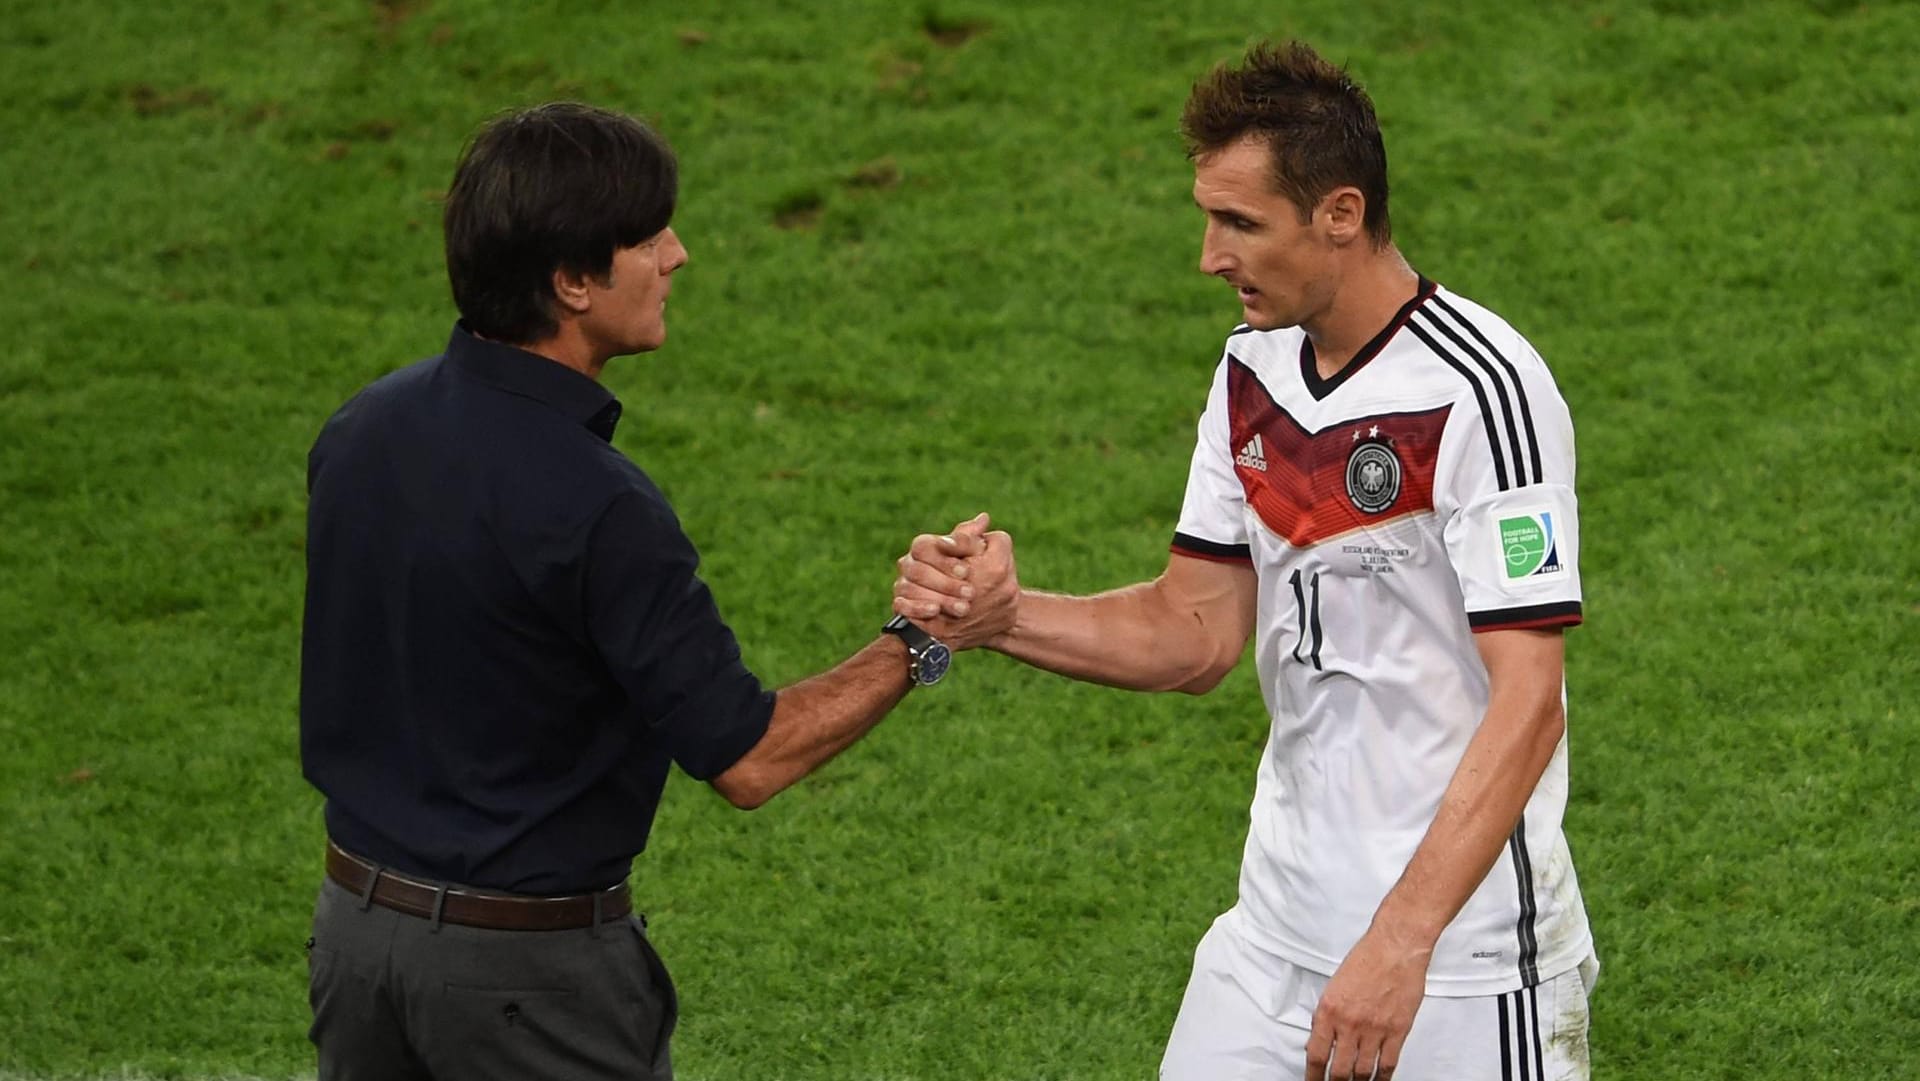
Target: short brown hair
(561, 185)
(1318, 123)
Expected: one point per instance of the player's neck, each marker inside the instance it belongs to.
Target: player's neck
(1368, 298)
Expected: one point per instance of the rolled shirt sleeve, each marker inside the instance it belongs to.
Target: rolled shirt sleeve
(655, 625)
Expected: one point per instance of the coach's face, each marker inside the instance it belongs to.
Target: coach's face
(1255, 240)
(628, 312)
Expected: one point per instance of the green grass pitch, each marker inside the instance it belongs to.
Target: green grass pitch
(943, 260)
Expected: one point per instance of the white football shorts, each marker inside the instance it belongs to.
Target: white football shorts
(1247, 1014)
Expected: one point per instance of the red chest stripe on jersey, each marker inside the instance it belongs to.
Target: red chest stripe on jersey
(1302, 491)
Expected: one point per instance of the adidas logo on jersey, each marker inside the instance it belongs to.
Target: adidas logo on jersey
(1253, 455)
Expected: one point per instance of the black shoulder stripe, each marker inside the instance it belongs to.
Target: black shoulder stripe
(1507, 413)
(1480, 395)
(1526, 411)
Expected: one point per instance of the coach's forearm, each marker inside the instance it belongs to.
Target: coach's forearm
(817, 718)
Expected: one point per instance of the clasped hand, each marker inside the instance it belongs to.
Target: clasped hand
(960, 586)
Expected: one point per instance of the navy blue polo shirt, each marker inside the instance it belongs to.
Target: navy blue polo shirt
(507, 640)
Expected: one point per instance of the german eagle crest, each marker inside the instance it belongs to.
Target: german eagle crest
(1373, 472)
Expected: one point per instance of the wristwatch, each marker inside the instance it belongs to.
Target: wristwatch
(929, 656)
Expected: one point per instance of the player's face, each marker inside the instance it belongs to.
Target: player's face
(1255, 240)
(629, 311)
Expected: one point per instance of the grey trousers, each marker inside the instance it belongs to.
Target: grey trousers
(395, 997)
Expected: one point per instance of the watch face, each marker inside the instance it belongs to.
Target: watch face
(932, 664)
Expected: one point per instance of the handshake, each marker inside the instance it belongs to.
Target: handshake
(961, 587)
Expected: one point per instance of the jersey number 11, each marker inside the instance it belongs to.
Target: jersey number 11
(1309, 613)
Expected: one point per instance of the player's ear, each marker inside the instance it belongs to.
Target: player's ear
(570, 290)
(1345, 212)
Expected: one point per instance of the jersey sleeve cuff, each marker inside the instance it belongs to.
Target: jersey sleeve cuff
(1187, 544)
(1532, 617)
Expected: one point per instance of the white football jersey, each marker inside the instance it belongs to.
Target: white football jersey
(1422, 494)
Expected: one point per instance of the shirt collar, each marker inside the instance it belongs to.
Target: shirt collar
(530, 375)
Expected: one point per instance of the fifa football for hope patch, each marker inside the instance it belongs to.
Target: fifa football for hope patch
(1529, 547)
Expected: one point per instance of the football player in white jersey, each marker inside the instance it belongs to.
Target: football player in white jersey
(1381, 495)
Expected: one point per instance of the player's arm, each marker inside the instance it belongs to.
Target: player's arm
(1504, 761)
(1370, 1003)
(1183, 631)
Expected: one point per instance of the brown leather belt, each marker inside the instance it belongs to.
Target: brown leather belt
(472, 908)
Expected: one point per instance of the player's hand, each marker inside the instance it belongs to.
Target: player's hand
(1367, 1009)
(961, 586)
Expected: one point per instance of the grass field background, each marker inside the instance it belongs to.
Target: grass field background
(942, 261)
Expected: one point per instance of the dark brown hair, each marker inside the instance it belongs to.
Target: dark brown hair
(561, 185)
(1317, 122)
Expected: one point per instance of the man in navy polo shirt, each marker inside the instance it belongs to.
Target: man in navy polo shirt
(507, 643)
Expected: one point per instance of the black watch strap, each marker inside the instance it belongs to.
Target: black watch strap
(910, 633)
(928, 656)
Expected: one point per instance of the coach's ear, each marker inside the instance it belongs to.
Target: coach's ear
(1344, 211)
(572, 289)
